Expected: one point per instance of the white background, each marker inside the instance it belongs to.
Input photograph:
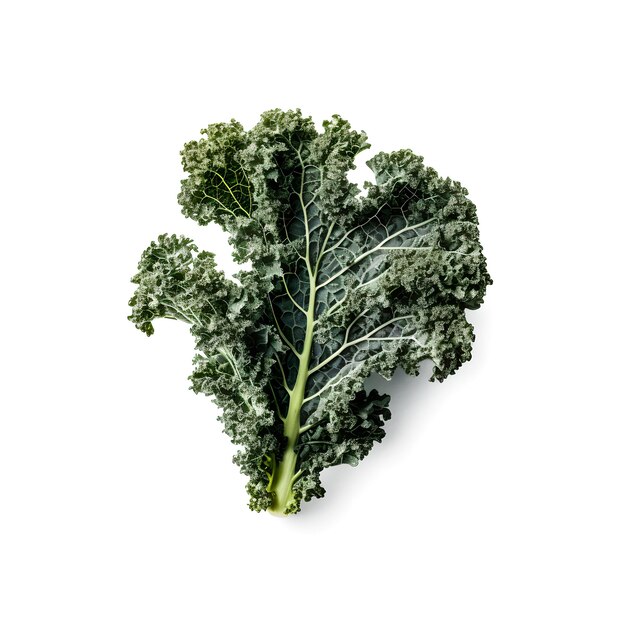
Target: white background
(497, 497)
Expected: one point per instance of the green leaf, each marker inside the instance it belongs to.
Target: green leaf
(341, 285)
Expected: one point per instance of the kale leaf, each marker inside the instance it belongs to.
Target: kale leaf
(342, 284)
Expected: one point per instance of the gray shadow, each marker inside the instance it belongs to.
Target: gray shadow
(410, 398)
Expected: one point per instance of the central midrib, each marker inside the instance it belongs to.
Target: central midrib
(286, 470)
(286, 474)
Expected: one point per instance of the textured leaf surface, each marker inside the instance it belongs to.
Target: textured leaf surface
(341, 285)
